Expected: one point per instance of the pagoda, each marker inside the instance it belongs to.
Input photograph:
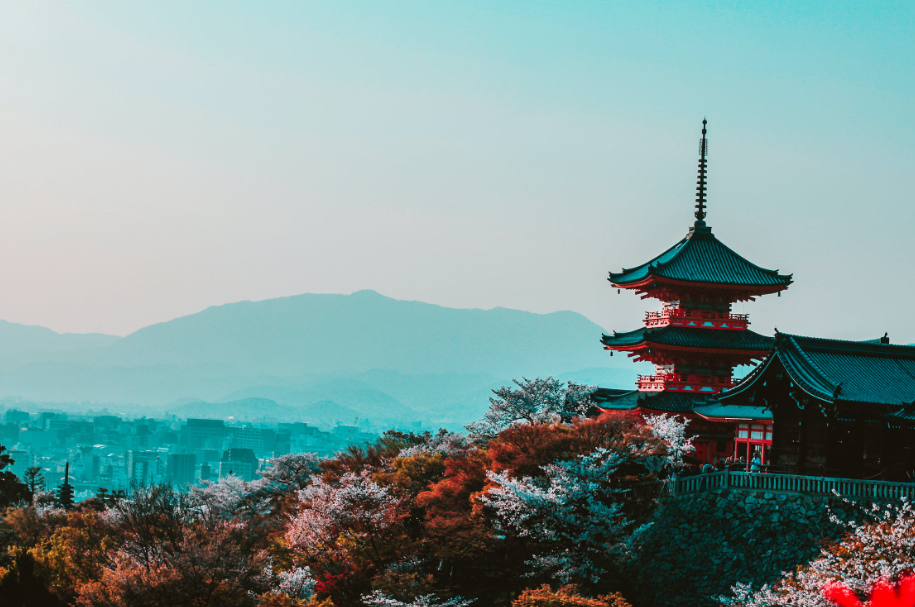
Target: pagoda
(695, 340)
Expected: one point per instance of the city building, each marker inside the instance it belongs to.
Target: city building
(22, 461)
(203, 433)
(13, 416)
(240, 462)
(180, 468)
(142, 467)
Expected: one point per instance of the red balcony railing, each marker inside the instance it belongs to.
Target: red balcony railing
(698, 319)
(675, 382)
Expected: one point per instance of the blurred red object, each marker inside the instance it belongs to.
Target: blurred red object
(883, 594)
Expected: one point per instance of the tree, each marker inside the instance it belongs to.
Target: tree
(448, 444)
(567, 596)
(22, 584)
(168, 555)
(223, 500)
(76, 550)
(34, 480)
(353, 510)
(285, 475)
(573, 515)
(204, 567)
(536, 401)
(348, 530)
(672, 429)
(12, 490)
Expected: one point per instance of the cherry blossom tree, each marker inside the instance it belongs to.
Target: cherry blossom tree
(223, 500)
(573, 515)
(344, 520)
(536, 401)
(672, 430)
(286, 474)
(296, 583)
(449, 444)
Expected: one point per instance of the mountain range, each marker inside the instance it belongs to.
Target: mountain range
(365, 354)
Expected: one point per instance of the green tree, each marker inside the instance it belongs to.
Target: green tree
(34, 480)
(12, 490)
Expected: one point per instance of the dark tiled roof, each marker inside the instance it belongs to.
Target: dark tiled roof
(832, 370)
(671, 402)
(691, 338)
(613, 399)
(864, 372)
(700, 257)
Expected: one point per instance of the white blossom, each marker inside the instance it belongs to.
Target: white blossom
(379, 599)
(572, 513)
(449, 444)
(220, 500)
(536, 401)
(296, 583)
(287, 473)
(672, 430)
(354, 506)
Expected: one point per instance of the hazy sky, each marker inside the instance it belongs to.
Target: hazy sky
(160, 157)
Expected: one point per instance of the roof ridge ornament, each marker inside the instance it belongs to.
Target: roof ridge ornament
(701, 183)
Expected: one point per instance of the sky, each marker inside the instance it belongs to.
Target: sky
(158, 158)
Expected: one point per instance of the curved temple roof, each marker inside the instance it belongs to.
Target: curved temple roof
(607, 399)
(835, 370)
(680, 337)
(701, 258)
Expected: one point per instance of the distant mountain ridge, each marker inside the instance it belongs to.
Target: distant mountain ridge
(353, 350)
(313, 333)
(20, 344)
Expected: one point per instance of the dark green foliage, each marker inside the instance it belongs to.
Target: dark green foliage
(34, 480)
(12, 490)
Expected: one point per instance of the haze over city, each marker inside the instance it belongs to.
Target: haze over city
(160, 158)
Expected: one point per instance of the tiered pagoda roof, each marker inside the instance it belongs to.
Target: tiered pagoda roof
(701, 259)
(608, 399)
(745, 342)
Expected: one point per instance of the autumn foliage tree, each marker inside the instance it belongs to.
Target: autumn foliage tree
(567, 596)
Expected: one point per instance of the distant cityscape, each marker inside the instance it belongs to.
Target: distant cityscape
(114, 453)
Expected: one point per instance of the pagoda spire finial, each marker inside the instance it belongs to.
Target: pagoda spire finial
(700, 185)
